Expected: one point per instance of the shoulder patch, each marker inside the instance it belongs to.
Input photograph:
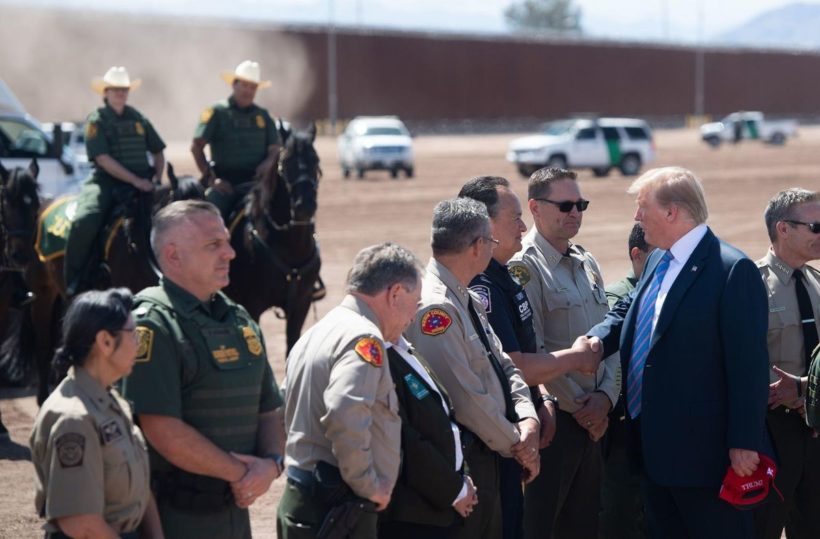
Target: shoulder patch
(260, 121)
(139, 129)
(145, 338)
(370, 350)
(520, 273)
(205, 115)
(70, 449)
(483, 292)
(90, 130)
(435, 322)
(252, 340)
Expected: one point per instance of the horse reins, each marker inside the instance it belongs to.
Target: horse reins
(7, 233)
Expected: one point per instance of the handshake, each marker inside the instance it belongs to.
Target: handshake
(587, 353)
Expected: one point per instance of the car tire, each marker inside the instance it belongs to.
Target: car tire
(409, 172)
(394, 173)
(601, 172)
(345, 173)
(557, 161)
(360, 173)
(778, 139)
(527, 170)
(713, 141)
(630, 164)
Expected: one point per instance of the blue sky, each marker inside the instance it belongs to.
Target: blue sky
(672, 20)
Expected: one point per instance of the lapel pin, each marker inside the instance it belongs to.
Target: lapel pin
(694, 268)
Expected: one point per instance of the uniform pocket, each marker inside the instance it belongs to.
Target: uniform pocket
(116, 474)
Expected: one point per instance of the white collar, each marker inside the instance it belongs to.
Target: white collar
(684, 247)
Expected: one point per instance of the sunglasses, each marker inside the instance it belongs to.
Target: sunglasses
(814, 227)
(565, 206)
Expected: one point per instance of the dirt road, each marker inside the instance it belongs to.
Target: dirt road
(355, 213)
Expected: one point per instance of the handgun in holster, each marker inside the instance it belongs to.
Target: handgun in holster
(345, 507)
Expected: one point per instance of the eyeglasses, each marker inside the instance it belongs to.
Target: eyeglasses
(814, 227)
(487, 238)
(565, 206)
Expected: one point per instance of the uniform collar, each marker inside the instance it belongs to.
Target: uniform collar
(358, 306)
(126, 111)
(232, 103)
(552, 255)
(499, 274)
(187, 303)
(450, 281)
(783, 271)
(91, 387)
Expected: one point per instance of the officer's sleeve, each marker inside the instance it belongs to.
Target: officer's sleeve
(153, 141)
(76, 481)
(528, 278)
(155, 383)
(447, 353)
(271, 397)
(271, 133)
(349, 398)
(610, 383)
(207, 125)
(95, 141)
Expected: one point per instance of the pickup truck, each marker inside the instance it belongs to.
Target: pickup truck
(747, 125)
(23, 138)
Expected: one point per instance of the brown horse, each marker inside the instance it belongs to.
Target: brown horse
(277, 261)
(128, 255)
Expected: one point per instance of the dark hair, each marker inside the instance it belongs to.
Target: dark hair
(541, 181)
(90, 313)
(637, 239)
(485, 189)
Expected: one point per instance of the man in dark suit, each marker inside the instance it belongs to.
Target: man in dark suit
(432, 489)
(693, 349)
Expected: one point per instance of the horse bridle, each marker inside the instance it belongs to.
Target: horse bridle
(303, 177)
(8, 233)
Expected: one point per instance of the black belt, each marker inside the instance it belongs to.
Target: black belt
(786, 412)
(61, 535)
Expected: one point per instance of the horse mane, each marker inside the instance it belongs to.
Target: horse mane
(22, 183)
(189, 188)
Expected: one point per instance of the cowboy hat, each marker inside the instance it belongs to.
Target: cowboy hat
(115, 77)
(248, 71)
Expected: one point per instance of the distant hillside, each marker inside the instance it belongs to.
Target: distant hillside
(792, 26)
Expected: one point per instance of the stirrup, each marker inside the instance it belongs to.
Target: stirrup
(319, 290)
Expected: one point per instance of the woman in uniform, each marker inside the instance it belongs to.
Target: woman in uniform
(91, 460)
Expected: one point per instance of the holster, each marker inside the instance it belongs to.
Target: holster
(192, 493)
(345, 507)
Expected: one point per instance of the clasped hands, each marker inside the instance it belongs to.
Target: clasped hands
(261, 472)
(526, 450)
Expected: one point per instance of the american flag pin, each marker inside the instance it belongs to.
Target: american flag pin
(694, 268)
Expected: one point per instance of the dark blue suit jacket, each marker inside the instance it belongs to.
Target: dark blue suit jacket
(705, 383)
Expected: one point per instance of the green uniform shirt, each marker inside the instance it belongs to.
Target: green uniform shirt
(127, 138)
(203, 363)
(239, 138)
(619, 289)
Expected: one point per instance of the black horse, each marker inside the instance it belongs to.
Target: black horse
(277, 261)
(128, 256)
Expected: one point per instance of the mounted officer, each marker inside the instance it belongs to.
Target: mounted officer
(118, 139)
(242, 136)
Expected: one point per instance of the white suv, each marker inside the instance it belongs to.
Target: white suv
(600, 144)
(376, 143)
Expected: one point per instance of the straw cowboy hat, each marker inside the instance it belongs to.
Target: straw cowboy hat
(115, 77)
(248, 71)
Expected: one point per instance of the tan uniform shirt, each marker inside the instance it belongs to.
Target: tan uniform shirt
(455, 352)
(89, 456)
(568, 298)
(785, 335)
(340, 405)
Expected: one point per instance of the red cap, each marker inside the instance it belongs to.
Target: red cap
(751, 491)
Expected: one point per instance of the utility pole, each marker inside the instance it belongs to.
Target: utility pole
(332, 103)
(700, 61)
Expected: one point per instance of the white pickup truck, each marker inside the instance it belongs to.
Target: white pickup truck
(747, 125)
(23, 138)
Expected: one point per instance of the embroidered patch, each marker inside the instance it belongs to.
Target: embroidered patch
(370, 349)
(206, 115)
(110, 431)
(139, 128)
(435, 322)
(520, 273)
(260, 121)
(225, 355)
(483, 292)
(90, 131)
(70, 449)
(145, 343)
(254, 344)
(415, 386)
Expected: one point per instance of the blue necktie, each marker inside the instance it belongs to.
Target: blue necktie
(643, 338)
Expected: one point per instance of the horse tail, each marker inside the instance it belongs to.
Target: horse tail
(17, 349)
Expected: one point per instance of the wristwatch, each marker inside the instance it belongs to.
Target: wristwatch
(550, 398)
(276, 458)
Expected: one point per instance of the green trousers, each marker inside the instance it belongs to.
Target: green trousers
(300, 516)
(622, 513)
(95, 201)
(231, 523)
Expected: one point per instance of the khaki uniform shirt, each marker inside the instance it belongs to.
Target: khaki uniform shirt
(444, 334)
(340, 405)
(568, 298)
(785, 335)
(89, 456)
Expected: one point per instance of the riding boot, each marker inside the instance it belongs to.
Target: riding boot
(21, 296)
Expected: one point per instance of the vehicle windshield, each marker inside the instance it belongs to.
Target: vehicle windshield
(557, 128)
(383, 130)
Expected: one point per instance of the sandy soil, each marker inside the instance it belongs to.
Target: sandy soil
(355, 213)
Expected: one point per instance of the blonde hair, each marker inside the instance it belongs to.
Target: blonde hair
(674, 185)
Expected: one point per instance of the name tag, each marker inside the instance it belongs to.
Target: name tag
(415, 386)
(777, 309)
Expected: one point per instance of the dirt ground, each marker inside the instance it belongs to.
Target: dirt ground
(356, 213)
